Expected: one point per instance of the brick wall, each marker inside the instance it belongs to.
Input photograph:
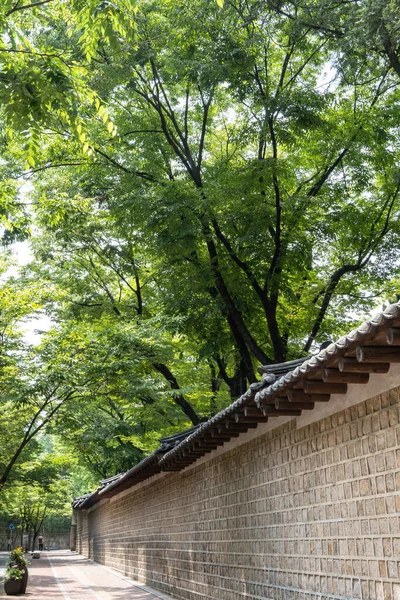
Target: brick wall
(295, 514)
(82, 542)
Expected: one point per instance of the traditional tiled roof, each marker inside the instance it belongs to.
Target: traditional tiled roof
(146, 468)
(272, 372)
(78, 502)
(345, 346)
(285, 389)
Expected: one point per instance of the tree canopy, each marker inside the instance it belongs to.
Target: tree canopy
(211, 187)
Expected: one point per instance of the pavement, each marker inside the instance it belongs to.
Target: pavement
(65, 575)
(3, 560)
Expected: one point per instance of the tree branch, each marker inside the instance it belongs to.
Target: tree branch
(26, 6)
(178, 397)
(364, 256)
(329, 291)
(32, 431)
(123, 168)
(53, 166)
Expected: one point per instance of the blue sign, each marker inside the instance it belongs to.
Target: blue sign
(11, 526)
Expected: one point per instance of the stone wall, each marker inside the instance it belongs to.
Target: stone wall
(60, 539)
(56, 540)
(82, 540)
(294, 514)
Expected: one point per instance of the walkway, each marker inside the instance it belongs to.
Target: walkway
(64, 575)
(3, 560)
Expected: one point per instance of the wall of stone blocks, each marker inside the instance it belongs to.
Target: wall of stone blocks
(53, 540)
(82, 538)
(295, 514)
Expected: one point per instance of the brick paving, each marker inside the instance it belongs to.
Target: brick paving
(65, 575)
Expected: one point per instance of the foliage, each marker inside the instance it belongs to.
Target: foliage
(31, 393)
(212, 186)
(233, 149)
(14, 573)
(40, 490)
(44, 82)
(17, 558)
(16, 564)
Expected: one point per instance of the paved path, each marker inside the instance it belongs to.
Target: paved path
(64, 575)
(3, 560)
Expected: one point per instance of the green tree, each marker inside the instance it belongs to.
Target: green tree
(32, 381)
(257, 167)
(223, 193)
(43, 491)
(45, 49)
